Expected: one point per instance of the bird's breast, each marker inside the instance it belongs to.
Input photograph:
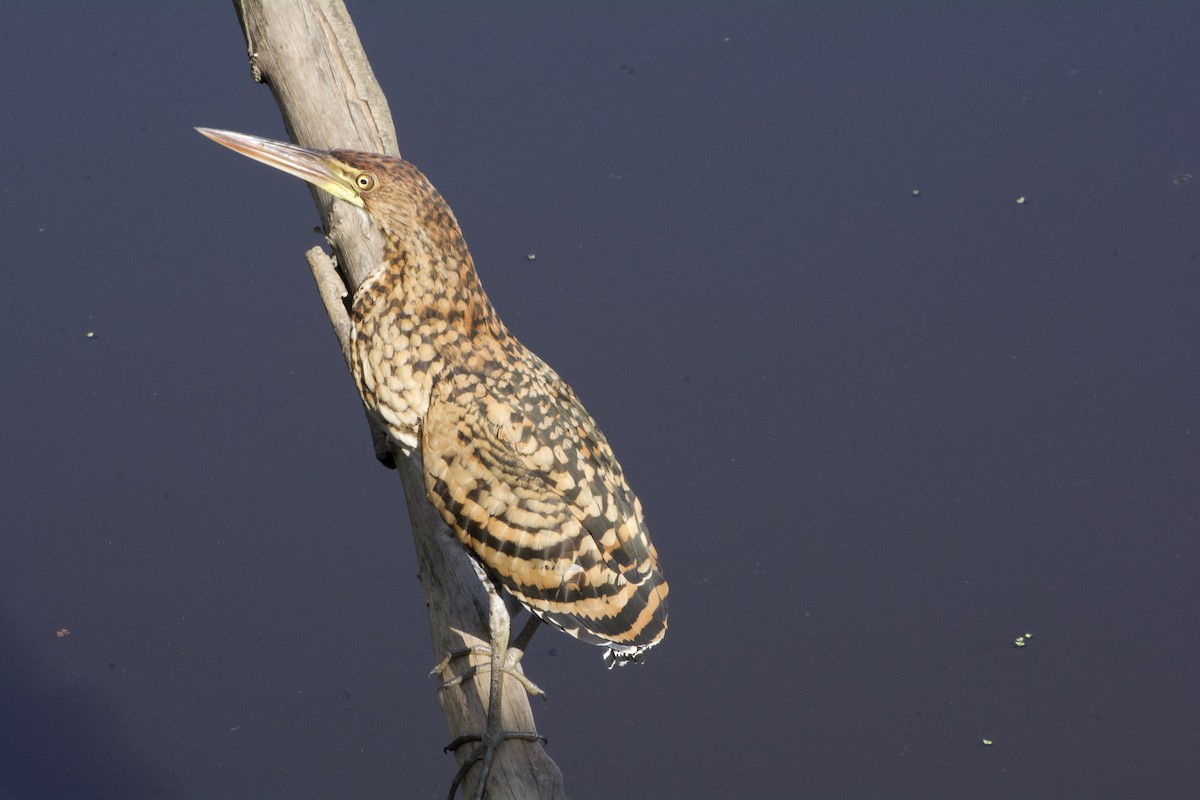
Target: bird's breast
(396, 357)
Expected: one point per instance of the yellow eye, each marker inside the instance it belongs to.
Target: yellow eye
(364, 181)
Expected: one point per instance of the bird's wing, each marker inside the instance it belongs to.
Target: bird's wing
(518, 469)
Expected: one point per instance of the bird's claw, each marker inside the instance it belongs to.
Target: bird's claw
(502, 659)
(485, 753)
(510, 667)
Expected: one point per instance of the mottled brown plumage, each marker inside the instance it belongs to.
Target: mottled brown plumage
(516, 466)
(513, 462)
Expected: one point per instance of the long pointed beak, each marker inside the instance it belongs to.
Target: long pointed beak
(315, 166)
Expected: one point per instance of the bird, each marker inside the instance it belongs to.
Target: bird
(512, 461)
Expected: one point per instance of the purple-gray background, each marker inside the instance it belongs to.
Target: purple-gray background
(878, 436)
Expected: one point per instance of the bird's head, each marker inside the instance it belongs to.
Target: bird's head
(392, 191)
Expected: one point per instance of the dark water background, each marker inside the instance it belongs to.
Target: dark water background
(878, 435)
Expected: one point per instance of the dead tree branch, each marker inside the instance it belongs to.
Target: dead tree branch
(310, 56)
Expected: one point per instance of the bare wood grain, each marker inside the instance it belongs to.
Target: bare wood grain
(310, 56)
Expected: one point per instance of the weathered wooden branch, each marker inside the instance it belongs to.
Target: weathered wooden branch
(310, 56)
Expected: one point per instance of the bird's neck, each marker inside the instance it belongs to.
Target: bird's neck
(420, 315)
(431, 280)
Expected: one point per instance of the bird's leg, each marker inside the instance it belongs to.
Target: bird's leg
(523, 638)
(494, 733)
(513, 655)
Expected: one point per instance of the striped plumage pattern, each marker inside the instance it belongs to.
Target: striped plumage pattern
(513, 462)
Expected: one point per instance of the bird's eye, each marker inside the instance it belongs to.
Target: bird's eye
(365, 181)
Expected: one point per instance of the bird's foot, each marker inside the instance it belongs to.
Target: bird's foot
(508, 666)
(502, 659)
(483, 754)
